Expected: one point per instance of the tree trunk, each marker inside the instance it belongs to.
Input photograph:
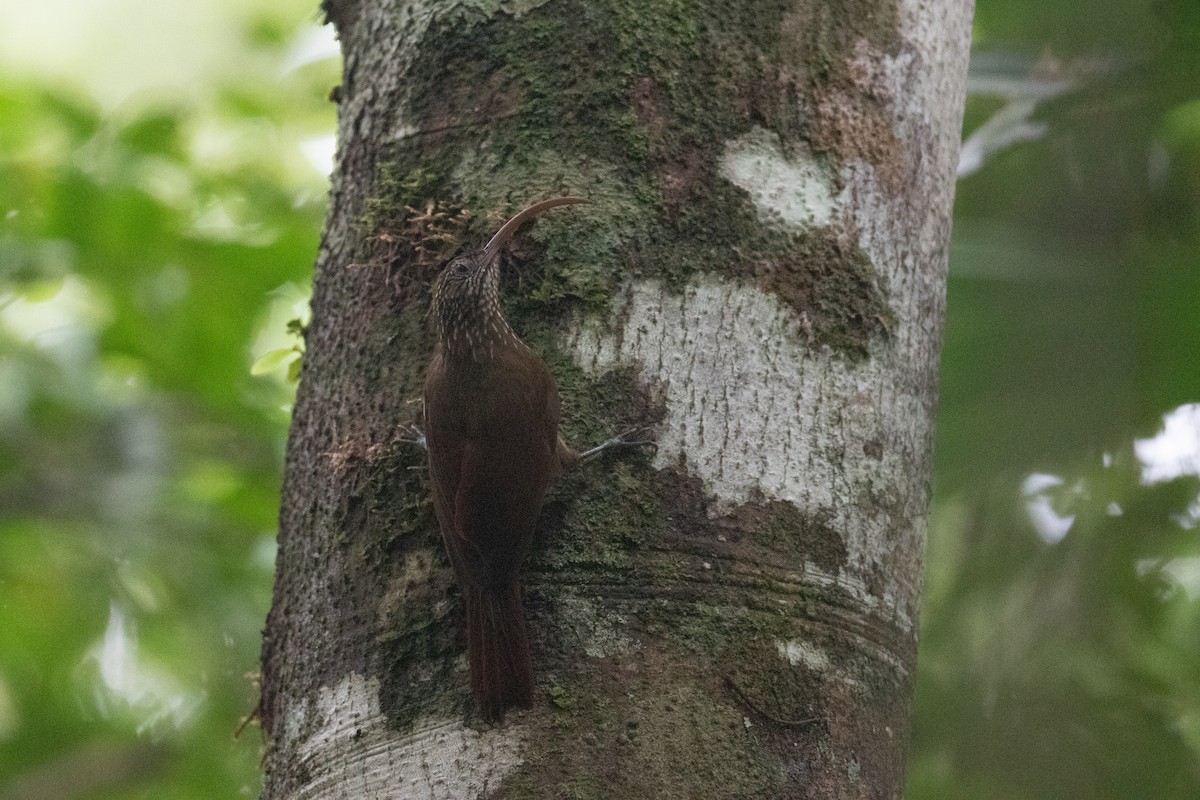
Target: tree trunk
(760, 274)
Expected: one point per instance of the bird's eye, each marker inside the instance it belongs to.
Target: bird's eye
(461, 268)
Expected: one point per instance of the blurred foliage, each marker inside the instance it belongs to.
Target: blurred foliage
(148, 253)
(1059, 646)
(153, 259)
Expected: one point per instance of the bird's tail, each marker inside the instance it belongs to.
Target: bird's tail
(498, 649)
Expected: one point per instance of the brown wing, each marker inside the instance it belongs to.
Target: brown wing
(447, 447)
(492, 454)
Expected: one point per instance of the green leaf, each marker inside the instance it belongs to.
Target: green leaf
(273, 360)
(293, 370)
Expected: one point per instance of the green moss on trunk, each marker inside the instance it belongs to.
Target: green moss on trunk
(631, 105)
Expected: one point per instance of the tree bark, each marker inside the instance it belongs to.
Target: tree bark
(760, 275)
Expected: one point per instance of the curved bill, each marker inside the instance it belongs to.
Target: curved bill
(492, 248)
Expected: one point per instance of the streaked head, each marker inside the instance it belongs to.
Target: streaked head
(466, 294)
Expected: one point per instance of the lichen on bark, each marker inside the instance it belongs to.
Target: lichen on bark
(641, 133)
(761, 568)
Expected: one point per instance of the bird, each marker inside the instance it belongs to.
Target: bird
(491, 433)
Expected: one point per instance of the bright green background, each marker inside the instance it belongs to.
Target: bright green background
(159, 215)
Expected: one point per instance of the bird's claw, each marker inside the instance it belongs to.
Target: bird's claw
(634, 437)
(411, 434)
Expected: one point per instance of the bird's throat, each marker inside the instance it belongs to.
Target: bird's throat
(477, 338)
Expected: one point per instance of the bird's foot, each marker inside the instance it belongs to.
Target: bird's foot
(411, 434)
(634, 437)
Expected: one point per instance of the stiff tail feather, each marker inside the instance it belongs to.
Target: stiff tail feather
(498, 649)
